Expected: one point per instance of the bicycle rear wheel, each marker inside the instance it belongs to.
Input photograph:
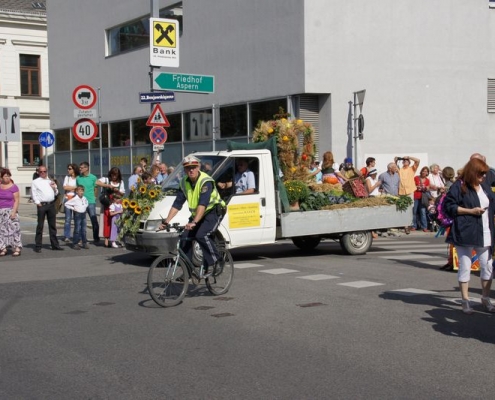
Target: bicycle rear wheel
(168, 282)
(221, 279)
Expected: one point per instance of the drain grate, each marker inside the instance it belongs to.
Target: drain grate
(221, 315)
(104, 303)
(310, 305)
(201, 308)
(223, 298)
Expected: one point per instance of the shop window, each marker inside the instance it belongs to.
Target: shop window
(30, 75)
(233, 121)
(32, 151)
(198, 125)
(141, 132)
(120, 134)
(95, 144)
(174, 131)
(135, 34)
(264, 111)
(62, 139)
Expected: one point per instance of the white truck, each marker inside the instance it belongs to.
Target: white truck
(260, 218)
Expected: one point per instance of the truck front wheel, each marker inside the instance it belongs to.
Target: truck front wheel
(306, 242)
(356, 243)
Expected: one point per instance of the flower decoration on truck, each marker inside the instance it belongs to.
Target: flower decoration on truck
(295, 144)
(137, 207)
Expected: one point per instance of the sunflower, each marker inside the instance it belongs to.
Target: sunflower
(152, 193)
(133, 204)
(142, 189)
(147, 209)
(138, 210)
(125, 203)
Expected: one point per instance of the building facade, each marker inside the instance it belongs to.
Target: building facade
(24, 85)
(425, 68)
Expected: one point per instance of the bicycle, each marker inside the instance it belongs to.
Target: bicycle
(169, 274)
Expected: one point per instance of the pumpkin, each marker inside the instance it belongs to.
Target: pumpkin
(332, 179)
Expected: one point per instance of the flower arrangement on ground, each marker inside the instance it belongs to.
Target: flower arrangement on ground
(294, 158)
(137, 207)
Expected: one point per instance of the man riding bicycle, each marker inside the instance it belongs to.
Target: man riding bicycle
(207, 209)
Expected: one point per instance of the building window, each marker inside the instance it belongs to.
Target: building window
(233, 121)
(264, 111)
(30, 75)
(198, 125)
(135, 34)
(32, 151)
(120, 134)
(174, 131)
(141, 132)
(62, 139)
(491, 96)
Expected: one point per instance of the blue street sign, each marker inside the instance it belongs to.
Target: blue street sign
(156, 97)
(46, 139)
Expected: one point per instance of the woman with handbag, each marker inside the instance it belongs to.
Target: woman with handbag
(422, 187)
(110, 184)
(69, 186)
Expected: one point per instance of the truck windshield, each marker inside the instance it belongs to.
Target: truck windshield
(209, 164)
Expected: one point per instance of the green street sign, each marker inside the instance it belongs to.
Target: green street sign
(183, 82)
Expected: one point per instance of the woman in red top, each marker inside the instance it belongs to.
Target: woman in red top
(422, 186)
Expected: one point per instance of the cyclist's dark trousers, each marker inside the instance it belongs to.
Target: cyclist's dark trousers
(203, 234)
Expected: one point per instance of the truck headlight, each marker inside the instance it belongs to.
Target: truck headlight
(153, 225)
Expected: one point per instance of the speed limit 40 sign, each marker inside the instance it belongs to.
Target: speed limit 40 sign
(85, 130)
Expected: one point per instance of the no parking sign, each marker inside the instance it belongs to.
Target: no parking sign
(158, 135)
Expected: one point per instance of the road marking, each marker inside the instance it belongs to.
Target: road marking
(318, 277)
(418, 247)
(410, 256)
(361, 284)
(279, 271)
(411, 292)
(247, 265)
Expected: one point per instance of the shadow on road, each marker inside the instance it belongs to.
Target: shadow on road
(447, 318)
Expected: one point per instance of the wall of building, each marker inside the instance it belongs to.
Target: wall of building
(23, 34)
(253, 48)
(424, 65)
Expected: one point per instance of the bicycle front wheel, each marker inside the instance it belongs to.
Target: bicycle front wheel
(221, 279)
(168, 281)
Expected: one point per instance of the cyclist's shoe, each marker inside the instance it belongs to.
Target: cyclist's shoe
(218, 268)
(206, 273)
(180, 279)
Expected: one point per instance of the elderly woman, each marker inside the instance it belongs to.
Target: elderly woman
(472, 209)
(10, 230)
(437, 183)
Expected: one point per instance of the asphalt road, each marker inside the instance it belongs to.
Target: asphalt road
(386, 325)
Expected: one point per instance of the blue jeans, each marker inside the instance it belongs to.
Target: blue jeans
(67, 223)
(79, 228)
(421, 210)
(91, 210)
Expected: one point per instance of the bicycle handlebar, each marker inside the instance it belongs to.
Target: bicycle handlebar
(176, 226)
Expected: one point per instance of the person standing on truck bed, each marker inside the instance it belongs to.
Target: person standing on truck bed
(207, 209)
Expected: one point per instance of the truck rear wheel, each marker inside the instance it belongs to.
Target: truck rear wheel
(306, 242)
(356, 243)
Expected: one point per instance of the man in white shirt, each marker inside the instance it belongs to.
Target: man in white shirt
(44, 192)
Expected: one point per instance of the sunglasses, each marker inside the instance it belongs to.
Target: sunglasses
(42, 172)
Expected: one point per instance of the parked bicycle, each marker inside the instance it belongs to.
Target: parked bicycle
(170, 274)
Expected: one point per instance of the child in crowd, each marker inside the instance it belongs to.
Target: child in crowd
(116, 210)
(78, 204)
(431, 213)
